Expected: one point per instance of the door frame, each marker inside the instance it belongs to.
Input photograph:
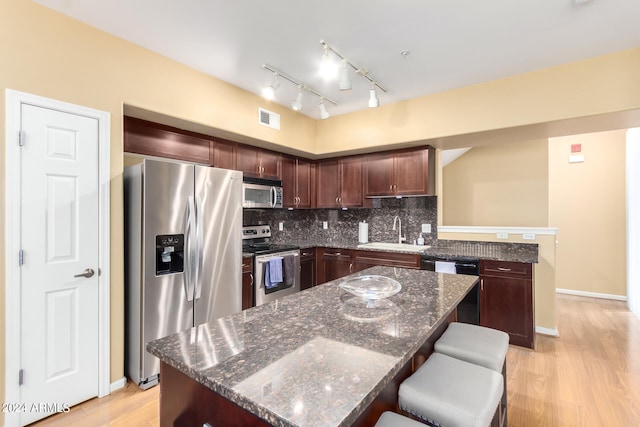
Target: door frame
(14, 102)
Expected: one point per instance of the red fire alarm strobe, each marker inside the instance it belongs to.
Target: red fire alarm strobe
(576, 148)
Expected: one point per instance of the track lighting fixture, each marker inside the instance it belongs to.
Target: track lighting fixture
(324, 114)
(269, 92)
(302, 89)
(297, 104)
(345, 83)
(373, 97)
(328, 68)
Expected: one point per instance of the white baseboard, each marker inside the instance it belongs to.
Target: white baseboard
(118, 384)
(591, 294)
(547, 331)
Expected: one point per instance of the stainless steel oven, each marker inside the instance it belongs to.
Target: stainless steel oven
(266, 294)
(256, 240)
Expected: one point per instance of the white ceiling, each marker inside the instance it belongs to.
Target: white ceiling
(452, 43)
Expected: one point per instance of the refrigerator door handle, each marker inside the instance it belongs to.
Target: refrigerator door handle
(199, 247)
(189, 272)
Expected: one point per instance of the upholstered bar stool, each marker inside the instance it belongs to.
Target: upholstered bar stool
(450, 392)
(391, 419)
(478, 345)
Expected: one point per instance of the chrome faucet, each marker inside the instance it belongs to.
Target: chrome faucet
(401, 238)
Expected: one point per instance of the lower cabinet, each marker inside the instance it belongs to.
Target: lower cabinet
(333, 264)
(366, 259)
(506, 300)
(336, 263)
(307, 268)
(247, 282)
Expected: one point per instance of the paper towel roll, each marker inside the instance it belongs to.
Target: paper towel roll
(363, 232)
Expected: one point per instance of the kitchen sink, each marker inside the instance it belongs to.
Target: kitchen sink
(400, 247)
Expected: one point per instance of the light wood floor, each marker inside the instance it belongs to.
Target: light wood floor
(589, 376)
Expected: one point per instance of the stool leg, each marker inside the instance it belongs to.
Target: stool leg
(503, 403)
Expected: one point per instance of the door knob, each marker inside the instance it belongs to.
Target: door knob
(87, 273)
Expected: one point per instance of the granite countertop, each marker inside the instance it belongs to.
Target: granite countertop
(318, 357)
(496, 251)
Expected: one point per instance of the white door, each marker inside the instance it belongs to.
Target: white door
(60, 241)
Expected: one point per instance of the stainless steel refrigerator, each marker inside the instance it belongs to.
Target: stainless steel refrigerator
(183, 254)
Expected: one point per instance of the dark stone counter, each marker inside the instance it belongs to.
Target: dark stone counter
(318, 357)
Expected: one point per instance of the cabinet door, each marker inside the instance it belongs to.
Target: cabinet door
(154, 139)
(224, 154)
(307, 274)
(328, 180)
(247, 160)
(411, 172)
(247, 282)
(289, 182)
(506, 304)
(305, 183)
(270, 164)
(351, 180)
(335, 269)
(378, 174)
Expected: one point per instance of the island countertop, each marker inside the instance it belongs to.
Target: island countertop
(318, 357)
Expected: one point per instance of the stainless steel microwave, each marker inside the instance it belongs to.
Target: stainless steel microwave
(261, 193)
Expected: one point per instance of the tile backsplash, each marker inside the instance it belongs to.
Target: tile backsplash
(306, 224)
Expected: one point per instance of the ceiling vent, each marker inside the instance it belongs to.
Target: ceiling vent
(269, 118)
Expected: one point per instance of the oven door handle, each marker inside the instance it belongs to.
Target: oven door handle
(263, 261)
(274, 196)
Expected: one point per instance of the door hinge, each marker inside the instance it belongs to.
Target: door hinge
(20, 138)
(20, 257)
(21, 377)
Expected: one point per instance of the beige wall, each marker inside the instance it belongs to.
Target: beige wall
(47, 54)
(587, 204)
(603, 84)
(498, 185)
(544, 273)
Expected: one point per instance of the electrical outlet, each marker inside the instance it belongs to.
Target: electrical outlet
(281, 226)
(426, 228)
(325, 225)
(502, 235)
(529, 236)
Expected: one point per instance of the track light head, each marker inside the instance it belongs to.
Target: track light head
(324, 114)
(297, 104)
(345, 83)
(269, 92)
(328, 68)
(373, 98)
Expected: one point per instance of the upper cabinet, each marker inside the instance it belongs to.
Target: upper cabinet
(299, 182)
(154, 139)
(409, 172)
(340, 183)
(257, 162)
(224, 153)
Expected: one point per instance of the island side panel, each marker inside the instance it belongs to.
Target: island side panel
(186, 403)
(387, 400)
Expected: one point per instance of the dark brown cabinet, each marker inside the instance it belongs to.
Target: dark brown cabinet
(247, 282)
(257, 162)
(366, 259)
(224, 154)
(407, 172)
(333, 264)
(506, 300)
(299, 182)
(307, 268)
(340, 183)
(154, 139)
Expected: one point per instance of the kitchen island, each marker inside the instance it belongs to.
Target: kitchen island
(320, 357)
